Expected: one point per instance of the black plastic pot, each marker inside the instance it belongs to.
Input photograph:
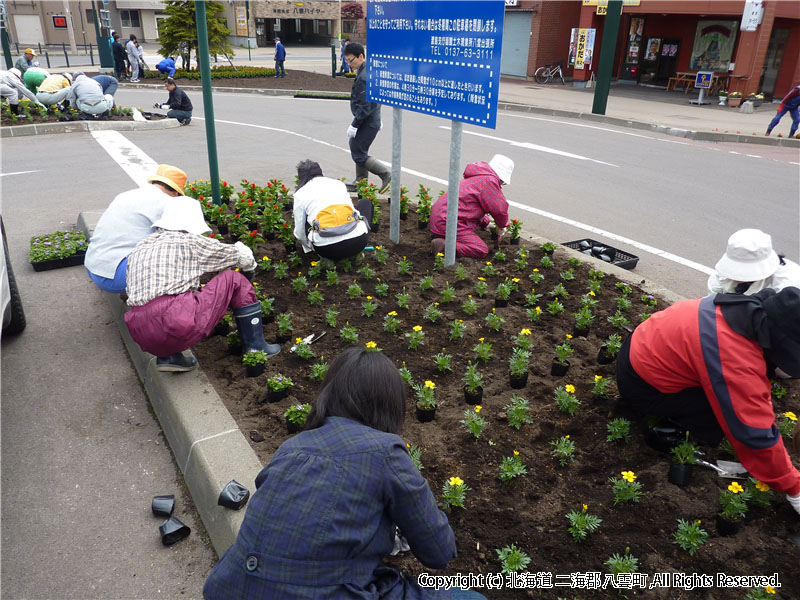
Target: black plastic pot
(235, 350)
(233, 496)
(726, 527)
(517, 383)
(267, 318)
(580, 332)
(422, 224)
(558, 369)
(163, 506)
(282, 339)
(251, 225)
(514, 241)
(223, 228)
(680, 474)
(269, 236)
(255, 370)
(403, 216)
(276, 395)
(289, 248)
(500, 302)
(375, 226)
(293, 427)
(425, 415)
(173, 531)
(473, 398)
(603, 358)
(221, 329)
(549, 252)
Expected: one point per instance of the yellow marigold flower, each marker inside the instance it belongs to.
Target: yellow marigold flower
(417, 328)
(598, 377)
(515, 280)
(481, 278)
(369, 297)
(439, 254)
(566, 437)
(265, 258)
(538, 309)
(591, 293)
(488, 262)
(569, 336)
(408, 445)
(769, 589)
(255, 284)
(454, 481)
(516, 452)
(478, 408)
(790, 415)
(585, 507)
(436, 304)
(735, 487)
(298, 340)
(525, 331)
(480, 339)
(628, 476)
(762, 487)
(371, 345)
(392, 313)
(314, 263)
(378, 248)
(469, 295)
(430, 385)
(570, 388)
(536, 270)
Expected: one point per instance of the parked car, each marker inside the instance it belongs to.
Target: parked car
(10, 301)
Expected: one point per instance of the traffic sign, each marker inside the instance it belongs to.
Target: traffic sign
(703, 79)
(436, 57)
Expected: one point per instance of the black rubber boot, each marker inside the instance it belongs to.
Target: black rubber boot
(376, 167)
(14, 108)
(361, 173)
(248, 321)
(176, 363)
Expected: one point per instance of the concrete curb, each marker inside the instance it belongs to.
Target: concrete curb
(708, 136)
(206, 441)
(73, 126)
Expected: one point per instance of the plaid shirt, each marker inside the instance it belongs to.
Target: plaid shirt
(323, 517)
(171, 263)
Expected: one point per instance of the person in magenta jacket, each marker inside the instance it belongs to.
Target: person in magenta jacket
(480, 199)
(705, 364)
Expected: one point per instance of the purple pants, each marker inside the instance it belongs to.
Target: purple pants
(468, 243)
(170, 324)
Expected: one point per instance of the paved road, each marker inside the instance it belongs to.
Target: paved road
(679, 196)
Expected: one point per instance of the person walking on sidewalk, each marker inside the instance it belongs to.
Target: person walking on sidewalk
(126, 222)
(11, 88)
(118, 50)
(178, 103)
(790, 104)
(345, 67)
(480, 199)
(366, 122)
(324, 217)
(132, 49)
(280, 58)
(705, 365)
(169, 312)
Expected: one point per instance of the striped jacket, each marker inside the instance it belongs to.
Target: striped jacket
(323, 516)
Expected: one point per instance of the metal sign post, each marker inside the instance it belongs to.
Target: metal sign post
(397, 147)
(439, 58)
(702, 82)
(208, 103)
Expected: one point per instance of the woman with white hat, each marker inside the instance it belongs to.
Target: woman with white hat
(480, 199)
(12, 87)
(169, 312)
(750, 265)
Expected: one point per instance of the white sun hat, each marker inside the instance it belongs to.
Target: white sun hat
(183, 214)
(749, 256)
(503, 166)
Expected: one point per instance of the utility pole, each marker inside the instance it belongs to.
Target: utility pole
(208, 101)
(607, 48)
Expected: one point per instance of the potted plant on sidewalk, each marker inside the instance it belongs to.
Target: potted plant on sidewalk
(723, 97)
(734, 99)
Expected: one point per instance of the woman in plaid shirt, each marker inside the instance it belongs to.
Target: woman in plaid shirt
(326, 507)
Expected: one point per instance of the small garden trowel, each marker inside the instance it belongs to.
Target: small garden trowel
(309, 339)
(725, 468)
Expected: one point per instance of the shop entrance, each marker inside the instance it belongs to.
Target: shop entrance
(772, 62)
(659, 59)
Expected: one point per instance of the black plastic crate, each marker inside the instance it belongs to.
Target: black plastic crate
(612, 255)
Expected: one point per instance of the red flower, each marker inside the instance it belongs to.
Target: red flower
(283, 188)
(249, 203)
(269, 184)
(201, 197)
(213, 235)
(285, 226)
(224, 184)
(253, 233)
(237, 215)
(252, 186)
(274, 207)
(514, 221)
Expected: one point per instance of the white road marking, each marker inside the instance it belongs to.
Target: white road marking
(19, 173)
(613, 236)
(533, 147)
(753, 155)
(133, 160)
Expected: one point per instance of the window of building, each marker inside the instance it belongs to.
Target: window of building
(315, 26)
(349, 26)
(130, 18)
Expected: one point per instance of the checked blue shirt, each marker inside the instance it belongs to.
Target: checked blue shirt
(323, 517)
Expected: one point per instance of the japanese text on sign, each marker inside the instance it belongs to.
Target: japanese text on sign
(436, 57)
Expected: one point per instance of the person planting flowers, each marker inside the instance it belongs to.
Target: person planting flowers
(480, 199)
(704, 364)
(327, 505)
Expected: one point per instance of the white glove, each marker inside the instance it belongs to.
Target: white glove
(247, 261)
(352, 131)
(165, 106)
(794, 501)
(381, 127)
(36, 63)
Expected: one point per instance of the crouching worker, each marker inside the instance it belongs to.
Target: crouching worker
(326, 506)
(325, 219)
(169, 312)
(87, 96)
(704, 364)
(480, 199)
(126, 222)
(12, 87)
(54, 90)
(178, 103)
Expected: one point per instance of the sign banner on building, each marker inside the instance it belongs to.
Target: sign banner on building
(752, 15)
(713, 45)
(604, 3)
(429, 58)
(241, 20)
(581, 48)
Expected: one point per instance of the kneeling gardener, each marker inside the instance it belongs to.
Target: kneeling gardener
(169, 312)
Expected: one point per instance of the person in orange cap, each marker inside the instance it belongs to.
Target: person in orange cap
(127, 221)
(26, 61)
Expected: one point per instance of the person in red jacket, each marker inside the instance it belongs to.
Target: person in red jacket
(704, 364)
(790, 104)
(480, 198)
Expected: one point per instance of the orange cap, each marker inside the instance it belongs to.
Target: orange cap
(171, 176)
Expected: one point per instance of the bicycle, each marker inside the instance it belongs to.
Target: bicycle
(546, 73)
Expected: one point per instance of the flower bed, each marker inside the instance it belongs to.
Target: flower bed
(218, 72)
(543, 489)
(31, 113)
(56, 250)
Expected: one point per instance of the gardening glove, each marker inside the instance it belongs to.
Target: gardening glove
(165, 106)
(352, 131)
(794, 501)
(246, 260)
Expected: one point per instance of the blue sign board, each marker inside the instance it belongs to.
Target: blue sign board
(703, 79)
(437, 57)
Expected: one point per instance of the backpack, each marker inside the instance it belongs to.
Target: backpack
(335, 220)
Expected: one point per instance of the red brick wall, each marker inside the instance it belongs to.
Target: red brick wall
(550, 30)
(789, 73)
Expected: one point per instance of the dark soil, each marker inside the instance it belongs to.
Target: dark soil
(37, 119)
(294, 80)
(528, 511)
